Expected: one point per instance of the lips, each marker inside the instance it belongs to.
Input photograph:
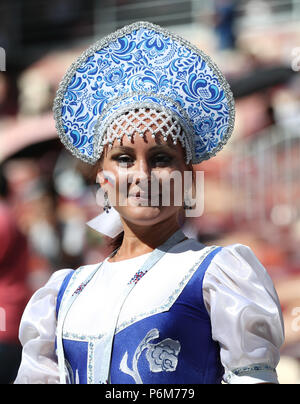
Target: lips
(143, 195)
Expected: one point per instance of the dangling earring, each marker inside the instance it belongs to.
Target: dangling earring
(107, 206)
(187, 206)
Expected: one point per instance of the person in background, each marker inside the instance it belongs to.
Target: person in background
(13, 288)
(225, 13)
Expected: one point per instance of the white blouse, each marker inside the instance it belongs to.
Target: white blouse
(238, 293)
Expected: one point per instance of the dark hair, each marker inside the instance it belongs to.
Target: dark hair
(117, 241)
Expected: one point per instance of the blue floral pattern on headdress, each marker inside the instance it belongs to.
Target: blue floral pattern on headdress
(143, 64)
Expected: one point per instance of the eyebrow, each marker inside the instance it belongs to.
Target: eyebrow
(162, 147)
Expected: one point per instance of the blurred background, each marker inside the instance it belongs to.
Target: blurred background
(252, 188)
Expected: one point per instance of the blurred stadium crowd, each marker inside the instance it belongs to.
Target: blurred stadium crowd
(252, 188)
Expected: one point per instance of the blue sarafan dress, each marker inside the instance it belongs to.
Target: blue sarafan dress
(200, 315)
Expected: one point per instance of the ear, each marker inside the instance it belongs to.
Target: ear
(99, 171)
(190, 168)
(106, 179)
(100, 179)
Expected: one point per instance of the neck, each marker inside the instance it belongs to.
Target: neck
(140, 240)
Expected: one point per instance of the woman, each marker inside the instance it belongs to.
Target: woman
(144, 105)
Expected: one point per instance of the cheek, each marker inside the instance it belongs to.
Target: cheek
(119, 180)
(173, 177)
(116, 185)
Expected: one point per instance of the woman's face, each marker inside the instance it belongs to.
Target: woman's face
(136, 175)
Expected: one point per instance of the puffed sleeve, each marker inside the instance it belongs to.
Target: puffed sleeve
(37, 335)
(245, 315)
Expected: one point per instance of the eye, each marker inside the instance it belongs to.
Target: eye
(162, 159)
(123, 160)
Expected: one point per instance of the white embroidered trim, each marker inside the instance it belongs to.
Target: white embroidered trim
(90, 365)
(142, 120)
(248, 370)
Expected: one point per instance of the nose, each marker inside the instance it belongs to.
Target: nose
(142, 172)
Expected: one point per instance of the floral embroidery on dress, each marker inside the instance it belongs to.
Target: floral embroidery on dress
(136, 277)
(162, 357)
(80, 288)
(70, 379)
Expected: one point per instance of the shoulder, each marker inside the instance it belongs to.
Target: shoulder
(192, 245)
(44, 300)
(239, 258)
(62, 276)
(45, 296)
(72, 277)
(54, 282)
(236, 270)
(233, 258)
(239, 250)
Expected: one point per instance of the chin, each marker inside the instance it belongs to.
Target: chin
(143, 215)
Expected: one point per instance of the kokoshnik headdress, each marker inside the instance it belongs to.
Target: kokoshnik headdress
(140, 69)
